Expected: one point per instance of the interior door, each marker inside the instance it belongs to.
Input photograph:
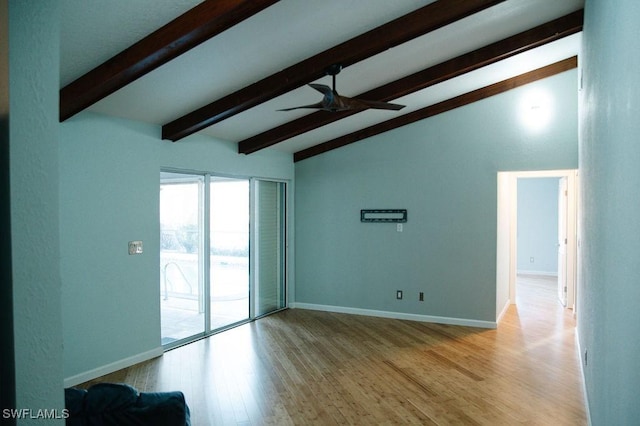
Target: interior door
(562, 240)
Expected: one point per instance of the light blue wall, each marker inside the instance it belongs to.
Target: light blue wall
(538, 225)
(609, 293)
(33, 122)
(109, 195)
(444, 171)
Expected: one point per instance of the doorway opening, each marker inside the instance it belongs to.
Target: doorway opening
(537, 239)
(541, 236)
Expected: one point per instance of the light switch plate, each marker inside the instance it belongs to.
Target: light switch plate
(135, 247)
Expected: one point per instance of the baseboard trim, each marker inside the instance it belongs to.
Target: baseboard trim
(539, 273)
(110, 368)
(504, 311)
(395, 315)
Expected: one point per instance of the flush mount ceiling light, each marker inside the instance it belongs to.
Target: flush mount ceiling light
(536, 109)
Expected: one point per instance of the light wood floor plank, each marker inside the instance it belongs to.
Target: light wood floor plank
(302, 367)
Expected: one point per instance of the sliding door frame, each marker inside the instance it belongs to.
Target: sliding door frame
(205, 248)
(253, 256)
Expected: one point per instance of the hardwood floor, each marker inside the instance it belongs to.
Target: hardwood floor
(307, 367)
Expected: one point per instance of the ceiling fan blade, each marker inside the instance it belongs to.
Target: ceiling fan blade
(312, 106)
(327, 101)
(380, 104)
(324, 89)
(333, 102)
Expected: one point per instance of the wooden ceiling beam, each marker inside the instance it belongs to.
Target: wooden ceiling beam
(439, 108)
(197, 25)
(391, 34)
(535, 37)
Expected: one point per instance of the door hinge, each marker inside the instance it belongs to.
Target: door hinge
(565, 289)
(565, 241)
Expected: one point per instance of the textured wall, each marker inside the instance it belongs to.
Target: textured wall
(444, 171)
(608, 314)
(109, 195)
(33, 93)
(7, 366)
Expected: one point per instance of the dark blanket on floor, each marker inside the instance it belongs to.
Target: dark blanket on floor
(122, 405)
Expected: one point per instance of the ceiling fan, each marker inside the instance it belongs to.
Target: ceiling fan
(333, 102)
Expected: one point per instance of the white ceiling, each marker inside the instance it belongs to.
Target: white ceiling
(282, 35)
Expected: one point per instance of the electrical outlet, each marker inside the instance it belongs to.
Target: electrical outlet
(421, 297)
(399, 294)
(531, 260)
(135, 247)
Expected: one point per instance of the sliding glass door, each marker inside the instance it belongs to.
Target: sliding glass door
(181, 261)
(229, 254)
(270, 246)
(209, 230)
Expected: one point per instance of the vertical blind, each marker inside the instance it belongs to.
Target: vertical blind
(270, 240)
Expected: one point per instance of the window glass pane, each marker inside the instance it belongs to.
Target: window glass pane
(229, 260)
(181, 284)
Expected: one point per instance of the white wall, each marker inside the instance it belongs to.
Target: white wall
(443, 170)
(109, 195)
(608, 314)
(33, 122)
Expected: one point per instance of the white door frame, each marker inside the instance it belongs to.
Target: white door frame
(563, 239)
(507, 232)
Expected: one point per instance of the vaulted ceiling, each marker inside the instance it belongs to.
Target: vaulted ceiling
(226, 67)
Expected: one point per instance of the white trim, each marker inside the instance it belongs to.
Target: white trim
(114, 366)
(395, 315)
(542, 173)
(584, 383)
(572, 237)
(504, 311)
(253, 258)
(504, 240)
